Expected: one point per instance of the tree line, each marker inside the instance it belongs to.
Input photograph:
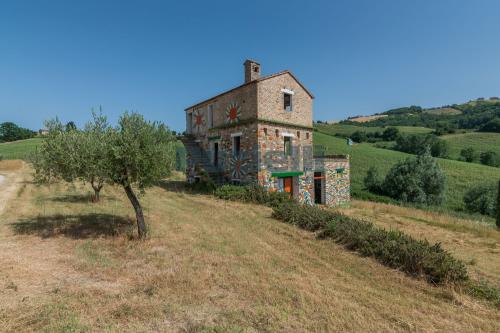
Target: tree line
(11, 132)
(480, 115)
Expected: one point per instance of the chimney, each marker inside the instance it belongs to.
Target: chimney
(252, 70)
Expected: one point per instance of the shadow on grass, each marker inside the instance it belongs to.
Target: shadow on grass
(73, 198)
(74, 226)
(81, 198)
(181, 186)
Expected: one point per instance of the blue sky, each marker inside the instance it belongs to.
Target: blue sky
(61, 58)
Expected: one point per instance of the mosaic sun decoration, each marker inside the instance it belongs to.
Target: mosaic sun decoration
(198, 120)
(233, 113)
(239, 166)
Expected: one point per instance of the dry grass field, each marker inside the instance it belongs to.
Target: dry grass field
(211, 266)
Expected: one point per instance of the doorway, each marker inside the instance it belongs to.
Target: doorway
(216, 154)
(288, 185)
(318, 187)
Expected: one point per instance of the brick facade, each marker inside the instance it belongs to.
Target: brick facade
(275, 138)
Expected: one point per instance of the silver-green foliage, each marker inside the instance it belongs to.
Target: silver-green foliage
(135, 153)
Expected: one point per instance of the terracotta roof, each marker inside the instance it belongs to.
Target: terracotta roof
(249, 83)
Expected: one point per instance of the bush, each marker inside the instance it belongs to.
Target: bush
(417, 180)
(481, 199)
(373, 181)
(391, 248)
(488, 158)
(418, 144)
(252, 194)
(306, 217)
(468, 154)
(359, 136)
(390, 134)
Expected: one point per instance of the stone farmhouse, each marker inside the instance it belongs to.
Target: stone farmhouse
(262, 132)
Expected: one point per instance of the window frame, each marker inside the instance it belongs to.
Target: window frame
(236, 138)
(289, 107)
(287, 145)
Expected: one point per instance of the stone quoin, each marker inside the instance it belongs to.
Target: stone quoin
(262, 132)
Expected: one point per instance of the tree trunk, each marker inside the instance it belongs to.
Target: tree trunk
(97, 190)
(141, 225)
(498, 206)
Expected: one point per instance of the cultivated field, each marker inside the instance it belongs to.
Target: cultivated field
(211, 266)
(19, 150)
(479, 141)
(460, 175)
(347, 130)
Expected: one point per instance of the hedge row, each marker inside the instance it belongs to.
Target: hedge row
(252, 194)
(391, 248)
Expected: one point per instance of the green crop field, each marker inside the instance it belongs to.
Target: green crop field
(19, 150)
(479, 141)
(461, 176)
(346, 130)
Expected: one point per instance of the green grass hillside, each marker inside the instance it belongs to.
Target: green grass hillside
(461, 176)
(347, 130)
(479, 141)
(19, 150)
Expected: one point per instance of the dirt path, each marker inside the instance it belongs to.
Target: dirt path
(8, 185)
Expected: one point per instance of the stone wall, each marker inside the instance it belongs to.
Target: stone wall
(270, 101)
(337, 179)
(228, 109)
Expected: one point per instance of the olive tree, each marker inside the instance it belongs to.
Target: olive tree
(141, 153)
(75, 155)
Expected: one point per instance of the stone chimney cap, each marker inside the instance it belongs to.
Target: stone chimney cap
(252, 61)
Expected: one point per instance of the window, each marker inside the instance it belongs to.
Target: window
(288, 145)
(236, 145)
(265, 131)
(210, 116)
(307, 135)
(277, 133)
(256, 69)
(298, 134)
(287, 98)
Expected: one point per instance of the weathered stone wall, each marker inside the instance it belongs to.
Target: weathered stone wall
(272, 148)
(337, 179)
(242, 167)
(228, 109)
(270, 101)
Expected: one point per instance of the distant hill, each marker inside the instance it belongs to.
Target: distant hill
(481, 114)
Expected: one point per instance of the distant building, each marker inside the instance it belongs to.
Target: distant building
(261, 132)
(43, 131)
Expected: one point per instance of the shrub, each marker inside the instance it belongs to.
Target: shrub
(391, 248)
(310, 218)
(481, 199)
(488, 158)
(359, 136)
(468, 154)
(417, 180)
(390, 134)
(252, 194)
(418, 144)
(373, 181)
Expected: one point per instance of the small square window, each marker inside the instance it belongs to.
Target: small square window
(298, 134)
(307, 135)
(277, 133)
(265, 131)
(256, 69)
(287, 98)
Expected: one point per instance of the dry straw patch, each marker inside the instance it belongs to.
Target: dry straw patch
(209, 266)
(477, 244)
